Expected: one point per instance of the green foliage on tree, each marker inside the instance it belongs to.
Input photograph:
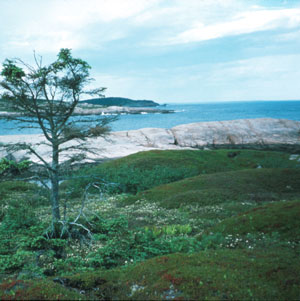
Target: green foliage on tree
(13, 167)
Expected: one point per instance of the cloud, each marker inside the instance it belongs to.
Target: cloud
(267, 77)
(117, 85)
(261, 78)
(80, 24)
(141, 44)
(260, 68)
(242, 23)
(169, 18)
(81, 12)
(49, 25)
(50, 41)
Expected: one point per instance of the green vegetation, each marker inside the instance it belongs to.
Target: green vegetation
(45, 97)
(145, 170)
(121, 101)
(212, 226)
(36, 290)
(13, 167)
(249, 185)
(217, 275)
(280, 218)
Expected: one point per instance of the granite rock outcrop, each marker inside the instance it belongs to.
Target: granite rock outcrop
(263, 133)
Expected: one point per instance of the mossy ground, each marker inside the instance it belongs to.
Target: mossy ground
(205, 161)
(282, 218)
(145, 170)
(36, 290)
(236, 227)
(256, 185)
(208, 275)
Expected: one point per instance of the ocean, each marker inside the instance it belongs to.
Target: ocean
(189, 113)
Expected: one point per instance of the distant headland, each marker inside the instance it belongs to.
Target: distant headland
(121, 102)
(103, 106)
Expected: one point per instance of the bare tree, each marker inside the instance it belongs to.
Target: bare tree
(45, 97)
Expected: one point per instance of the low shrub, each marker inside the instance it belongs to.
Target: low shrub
(7, 188)
(18, 216)
(135, 246)
(12, 167)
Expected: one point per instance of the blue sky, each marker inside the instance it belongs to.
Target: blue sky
(166, 50)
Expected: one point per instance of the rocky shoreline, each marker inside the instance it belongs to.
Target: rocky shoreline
(261, 134)
(112, 110)
(119, 110)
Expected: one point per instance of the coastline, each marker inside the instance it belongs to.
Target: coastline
(85, 111)
(184, 114)
(260, 133)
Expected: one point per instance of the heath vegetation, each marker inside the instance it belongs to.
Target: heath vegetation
(157, 225)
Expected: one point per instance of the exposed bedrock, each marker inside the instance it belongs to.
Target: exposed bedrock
(263, 133)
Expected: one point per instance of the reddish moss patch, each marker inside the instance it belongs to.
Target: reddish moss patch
(12, 286)
(36, 290)
(173, 279)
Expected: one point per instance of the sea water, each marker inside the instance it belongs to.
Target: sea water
(189, 113)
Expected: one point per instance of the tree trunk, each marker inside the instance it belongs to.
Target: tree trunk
(55, 184)
(55, 198)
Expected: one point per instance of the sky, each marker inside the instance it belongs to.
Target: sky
(169, 51)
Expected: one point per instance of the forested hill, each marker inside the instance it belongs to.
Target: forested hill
(121, 101)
